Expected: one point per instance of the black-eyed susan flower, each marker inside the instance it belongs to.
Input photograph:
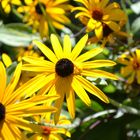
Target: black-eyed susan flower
(66, 70)
(6, 4)
(51, 132)
(131, 68)
(101, 16)
(43, 15)
(12, 110)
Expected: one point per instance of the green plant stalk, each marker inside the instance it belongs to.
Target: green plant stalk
(127, 109)
(128, 28)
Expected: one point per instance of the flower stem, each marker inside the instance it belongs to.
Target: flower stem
(126, 109)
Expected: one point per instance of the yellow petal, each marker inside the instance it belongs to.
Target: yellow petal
(6, 59)
(103, 3)
(58, 104)
(3, 78)
(23, 124)
(37, 61)
(91, 25)
(99, 32)
(59, 87)
(76, 85)
(57, 25)
(98, 64)
(131, 78)
(92, 89)
(81, 14)
(30, 67)
(13, 82)
(117, 15)
(67, 45)
(28, 89)
(43, 28)
(99, 73)
(46, 51)
(113, 26)
(70, 97)
(126, 71)
(56, 46)
(138, 54)
(84, 2)
(7, 133)
(89, 54)
(138, 76)
(79, 47)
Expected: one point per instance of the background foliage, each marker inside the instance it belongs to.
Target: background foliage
(119, 120)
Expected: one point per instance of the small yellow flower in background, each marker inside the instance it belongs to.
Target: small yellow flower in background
(66, 70)
(101, 16)
(44, 15)
(6, 4)
(28, 51)
(51, 132)
(12, 110)
(131, 69)
(21, 52)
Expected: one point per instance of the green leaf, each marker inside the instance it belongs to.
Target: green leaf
(10, 71)
(17, 34)
(136, 25)
(134, 125)
(109, 89)
(96, 106)
(136, 7)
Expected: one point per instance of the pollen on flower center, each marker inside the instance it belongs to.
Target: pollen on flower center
(2, 112)
(38, 8)
(97, 14)
(64, 67)
(46, 130)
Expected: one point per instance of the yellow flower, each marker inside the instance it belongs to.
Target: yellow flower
(131, 70)
(46, 14)
(29, 51)
(51, 132)
(66, 70)
(12, 110)
(6, 4)
(101, 16)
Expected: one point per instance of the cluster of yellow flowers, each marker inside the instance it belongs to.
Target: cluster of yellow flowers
(39, 84)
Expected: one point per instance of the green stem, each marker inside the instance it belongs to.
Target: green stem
(75, 124)
(127, 109)
(128, 28)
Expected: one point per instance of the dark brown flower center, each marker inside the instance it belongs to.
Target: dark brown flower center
(2, 112)
(97, 14)
(46, 130)
(106, 30)
(39, 8)
(64, 67)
